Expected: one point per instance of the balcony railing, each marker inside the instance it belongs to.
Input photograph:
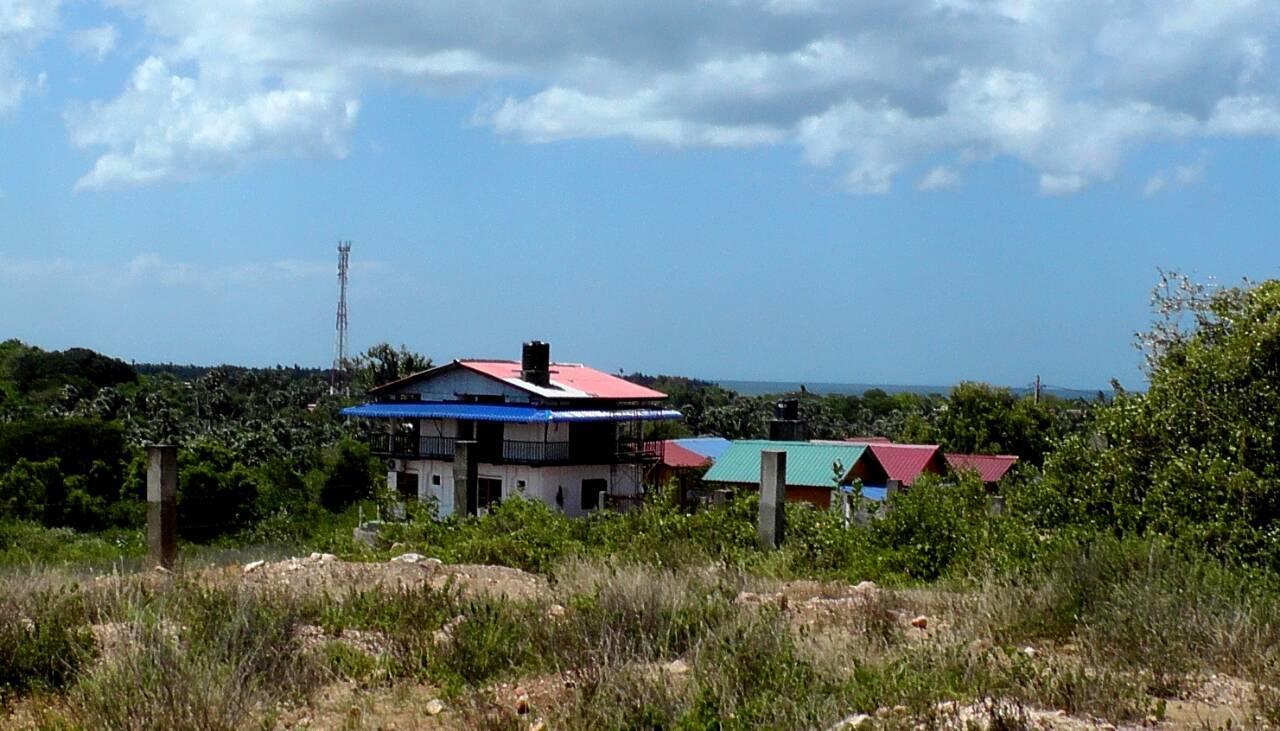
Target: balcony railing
(628, 451)
(517, 452)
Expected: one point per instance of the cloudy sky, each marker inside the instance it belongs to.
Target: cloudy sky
(905, 191)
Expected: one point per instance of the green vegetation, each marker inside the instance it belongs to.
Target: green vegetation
(1138, 555)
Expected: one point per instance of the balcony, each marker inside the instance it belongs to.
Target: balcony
(626, 451)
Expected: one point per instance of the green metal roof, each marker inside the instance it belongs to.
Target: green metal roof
(808, 464)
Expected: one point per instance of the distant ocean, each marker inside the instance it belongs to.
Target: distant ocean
(759, 388)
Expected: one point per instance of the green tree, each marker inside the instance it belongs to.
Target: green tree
(383, 363)
(1198, 456)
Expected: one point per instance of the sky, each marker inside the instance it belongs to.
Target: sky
(886, 191)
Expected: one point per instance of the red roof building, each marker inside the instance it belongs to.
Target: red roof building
(676, 456)
(990, 467)
(570, 436)
(568, 380)
(905, 462)
(571, 381)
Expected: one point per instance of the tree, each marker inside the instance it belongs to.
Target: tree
(1198, 456)
(383, 363)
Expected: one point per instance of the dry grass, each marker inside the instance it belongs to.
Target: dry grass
(622, 645)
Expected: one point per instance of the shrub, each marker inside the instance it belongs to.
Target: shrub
(44, 640)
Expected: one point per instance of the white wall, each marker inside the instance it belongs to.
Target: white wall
(540, 483)
(447, 387)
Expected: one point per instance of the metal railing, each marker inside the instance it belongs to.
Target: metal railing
(627, 451)
(521, 452)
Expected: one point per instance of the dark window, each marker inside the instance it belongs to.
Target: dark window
(407, 484)
(591, 490)
(488, 491)
(435, 480)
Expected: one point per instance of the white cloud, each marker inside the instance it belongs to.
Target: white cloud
(1180, 175)
(1051, 184)
(97, 42)
(151, 270)
(23, 25)
(1155, 184)
(171, 127)
(939, 178)
(1069, 88)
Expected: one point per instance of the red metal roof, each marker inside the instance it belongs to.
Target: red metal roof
(906, 462)
(990, 467)
(568, 380)
(674, 455)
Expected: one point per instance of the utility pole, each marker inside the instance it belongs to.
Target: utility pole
(338, 375)
(1037, 389)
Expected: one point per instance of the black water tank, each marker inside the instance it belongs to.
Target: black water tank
(535, 363)
(787, 409)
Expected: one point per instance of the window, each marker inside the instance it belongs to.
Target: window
(407, 484)
(591, 490)
(435, 480)
(488, 491)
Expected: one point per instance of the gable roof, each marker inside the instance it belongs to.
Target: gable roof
(675, 454)
(568, 381)
(808, 464)
(906, 462)
(990, 467)
(711, 447)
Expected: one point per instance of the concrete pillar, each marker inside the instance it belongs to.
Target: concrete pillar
(773, 498)
(466, 468)
(162, 505)
(995, 504)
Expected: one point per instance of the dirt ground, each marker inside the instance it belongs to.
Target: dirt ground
(1221, 702)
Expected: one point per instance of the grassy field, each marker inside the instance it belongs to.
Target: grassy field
(1088, 633)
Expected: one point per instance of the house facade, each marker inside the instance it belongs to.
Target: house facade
(472, 433)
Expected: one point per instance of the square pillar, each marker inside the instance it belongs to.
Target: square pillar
(773, 498)
(466, 468)
(162, 505)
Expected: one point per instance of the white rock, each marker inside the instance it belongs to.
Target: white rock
(408, 558)
(432, 561)
(677, 667)
(434, 707)
(854, 721)
(865, 586)
(254, 566)
(1029, 651)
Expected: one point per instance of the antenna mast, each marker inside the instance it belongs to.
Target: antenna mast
(338, 376)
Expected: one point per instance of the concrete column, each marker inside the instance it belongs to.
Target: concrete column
(995, 505)
(773, 498)
(466, 467)
(162, 505)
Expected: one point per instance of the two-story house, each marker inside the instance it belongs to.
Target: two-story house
(474, 432)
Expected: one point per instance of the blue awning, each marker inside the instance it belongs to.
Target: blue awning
(510, 413)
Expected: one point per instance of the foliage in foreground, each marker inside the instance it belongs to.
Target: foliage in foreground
(1197, 457)
(1143, 622)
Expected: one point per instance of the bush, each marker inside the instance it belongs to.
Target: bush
(44, 640)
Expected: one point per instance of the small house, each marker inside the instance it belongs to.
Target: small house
(990, 468)
(814, 470)
(472, 433)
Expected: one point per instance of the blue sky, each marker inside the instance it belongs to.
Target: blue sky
(899, 192)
